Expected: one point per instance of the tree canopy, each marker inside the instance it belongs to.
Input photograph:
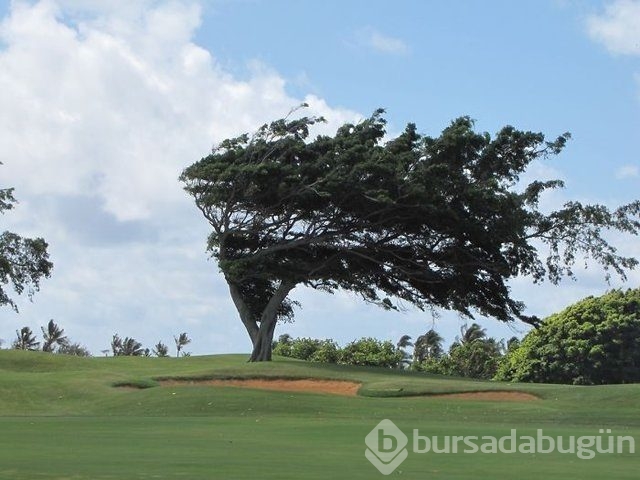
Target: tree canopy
(23, 261)
(427, 221)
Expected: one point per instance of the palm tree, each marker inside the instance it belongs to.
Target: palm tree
(25, 340)
(472, 333)
(53, 335)
(116, 345)
(403, 343)
(181, 340)
(132, 348)
(129, 347)
(427, 346)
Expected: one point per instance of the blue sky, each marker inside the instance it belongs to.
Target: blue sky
(103, 104)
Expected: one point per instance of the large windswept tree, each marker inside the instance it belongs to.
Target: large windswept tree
(23, 261)
(433, 222)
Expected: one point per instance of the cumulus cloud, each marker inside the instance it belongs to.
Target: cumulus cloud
(375, 40)
(116, 106)
(617, 28)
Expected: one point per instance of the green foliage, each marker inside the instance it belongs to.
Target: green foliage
(366, 351)
(371, 352)
(304, 348)
(23, 261)
(595, 341)
(282, 346)
(472, 355)
(431, 221)
(327, 352)
(323, 351)
(479, 359)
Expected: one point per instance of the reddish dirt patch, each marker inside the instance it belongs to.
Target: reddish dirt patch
(334, 387)
(495, 396)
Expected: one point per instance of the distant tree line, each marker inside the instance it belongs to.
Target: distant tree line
(130, 347)
(54, 340)
(473, 354)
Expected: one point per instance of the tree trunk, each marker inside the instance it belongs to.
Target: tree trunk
(261, 333)
(264, 341)
(262, 345)
(246, 316)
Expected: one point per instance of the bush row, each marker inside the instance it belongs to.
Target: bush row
(366, 351)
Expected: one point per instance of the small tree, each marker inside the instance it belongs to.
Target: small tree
(53, 336)
(181, 341)
(26, 340)
(129, 347)
(161, 350)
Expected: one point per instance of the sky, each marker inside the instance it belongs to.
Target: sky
(102, 104)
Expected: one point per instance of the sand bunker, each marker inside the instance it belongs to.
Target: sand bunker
(341, 387)
(334, 387)
(495, 396)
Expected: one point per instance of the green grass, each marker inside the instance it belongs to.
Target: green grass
(62, 418)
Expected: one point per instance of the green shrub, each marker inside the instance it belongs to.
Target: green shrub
(327, 352)
(595, 341)
(476, 359)
(304, 348)
(372, 352)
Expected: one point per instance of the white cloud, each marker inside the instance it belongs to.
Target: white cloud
(628, 171)
(618, 28)
(116, 105)
(382, 43)
(103, 105)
